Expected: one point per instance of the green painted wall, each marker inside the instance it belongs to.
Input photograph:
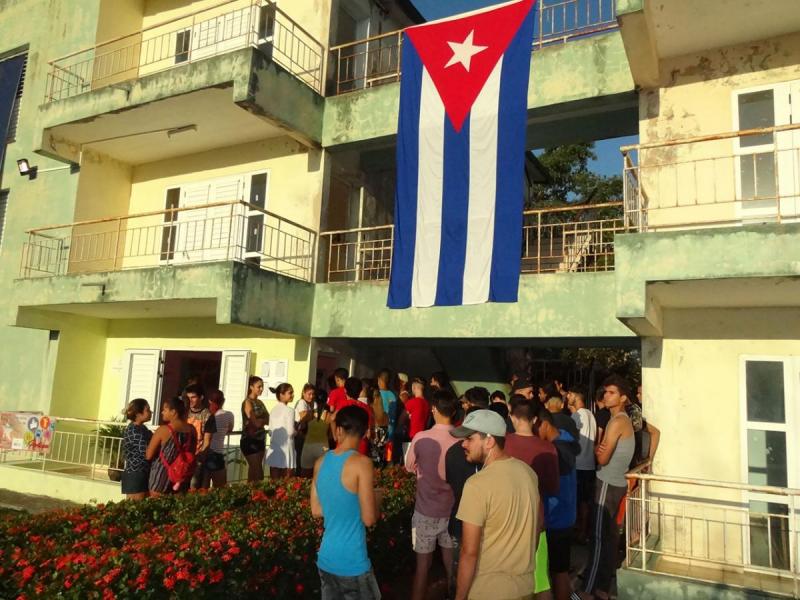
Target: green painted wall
(48, 28)
(597, 67)
(557, 305)
(635, 585)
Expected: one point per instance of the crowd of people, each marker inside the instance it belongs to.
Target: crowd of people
(505, 486)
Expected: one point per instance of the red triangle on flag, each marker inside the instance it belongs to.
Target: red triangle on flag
(461, 53)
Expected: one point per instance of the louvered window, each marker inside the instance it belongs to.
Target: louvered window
(14, 119)
(3, 211)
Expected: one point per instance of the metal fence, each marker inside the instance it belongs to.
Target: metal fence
(94, 450)
(738, 177)
(576, 239)
(222, 28)
(208, 233)
(737, 534)
(375, 60)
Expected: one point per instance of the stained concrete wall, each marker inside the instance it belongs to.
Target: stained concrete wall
(695, 184)
(552, 305)
(48, 29)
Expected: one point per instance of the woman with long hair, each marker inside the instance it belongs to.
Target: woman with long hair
(218, 427)
(281, 457)
(136, 476)
(255, 417)
(174, 437)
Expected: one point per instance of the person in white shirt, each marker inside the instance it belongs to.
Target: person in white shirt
(218, 426)
(280, 454)
(585, 461)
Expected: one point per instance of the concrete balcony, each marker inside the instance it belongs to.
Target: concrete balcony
(243, 67)
(230, 261)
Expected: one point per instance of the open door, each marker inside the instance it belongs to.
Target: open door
(141, 378)
(233, 377)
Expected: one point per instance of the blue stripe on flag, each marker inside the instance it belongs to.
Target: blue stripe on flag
(455, 211)
(507, 243)
(405, 207)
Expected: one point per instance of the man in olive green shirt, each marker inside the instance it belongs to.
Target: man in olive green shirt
(499, 511)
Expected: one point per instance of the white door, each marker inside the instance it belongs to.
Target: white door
(767, 177)
(770, 392)
(211, 233)
(141, 378)
(222, 33)
(233, 376)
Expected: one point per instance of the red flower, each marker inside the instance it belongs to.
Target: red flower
(215, 576)
(182, 575)
(27, 573)
(299, 588)
(169, 582)
(108, 594)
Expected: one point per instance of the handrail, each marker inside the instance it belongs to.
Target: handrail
(154, 213)
(151, 27)
(711, 137)
(731, 485)
(357, 229)
(367, 40)
(559, 209)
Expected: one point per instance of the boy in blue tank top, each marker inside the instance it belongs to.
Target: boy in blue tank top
(342, 494)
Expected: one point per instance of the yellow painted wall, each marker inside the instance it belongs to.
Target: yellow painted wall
(117, 59)
(696, 183)
(294, 189)
(691, 387)
(104, 189)
(78, 376)
(195, 334)
(691, 383)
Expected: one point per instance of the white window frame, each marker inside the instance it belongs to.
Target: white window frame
(770, 209)
(791, 387)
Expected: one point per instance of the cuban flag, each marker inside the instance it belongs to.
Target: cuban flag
(460, 158)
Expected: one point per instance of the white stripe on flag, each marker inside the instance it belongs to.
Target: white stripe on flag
(482, 190)
(429, 194)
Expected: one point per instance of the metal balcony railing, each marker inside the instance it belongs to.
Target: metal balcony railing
(375, 60)
(735, 534)
(225, 27)
(213, 232)
(738, 177)
(576, 239)
(79, 449)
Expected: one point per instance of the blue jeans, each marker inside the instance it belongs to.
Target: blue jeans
(360, 587)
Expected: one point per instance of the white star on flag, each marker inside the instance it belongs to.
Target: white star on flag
(463, 52)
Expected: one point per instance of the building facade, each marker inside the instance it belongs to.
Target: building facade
(213, 198)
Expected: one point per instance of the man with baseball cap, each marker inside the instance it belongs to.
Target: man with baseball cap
(499, 512)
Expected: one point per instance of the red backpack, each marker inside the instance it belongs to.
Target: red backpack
(181, 469)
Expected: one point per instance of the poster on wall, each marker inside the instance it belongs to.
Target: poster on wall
(273, 372)
(26, 431)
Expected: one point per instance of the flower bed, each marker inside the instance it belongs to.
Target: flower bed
(232, 542)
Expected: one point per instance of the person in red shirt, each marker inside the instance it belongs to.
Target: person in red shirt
(352, 389)
(337, 395)
(417, 408)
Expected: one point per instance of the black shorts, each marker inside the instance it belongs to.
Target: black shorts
(586, 481)
(250, 446)
(214, 461)
(135, 482)
(559, 542)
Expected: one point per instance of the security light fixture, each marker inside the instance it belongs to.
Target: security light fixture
(26, 168)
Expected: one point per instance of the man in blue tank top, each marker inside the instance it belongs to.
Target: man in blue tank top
(342, 494)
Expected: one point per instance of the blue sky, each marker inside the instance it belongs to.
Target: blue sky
(436, 9)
